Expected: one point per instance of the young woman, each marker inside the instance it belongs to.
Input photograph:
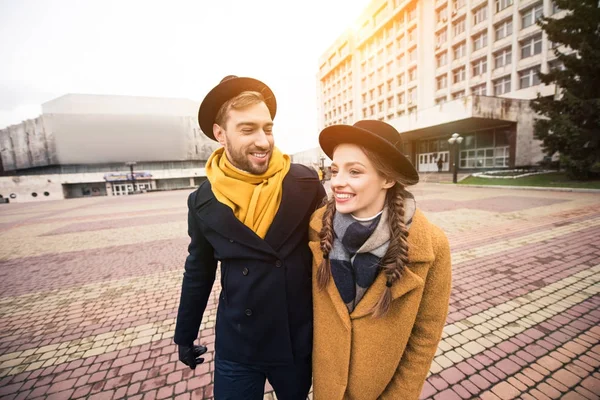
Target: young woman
(381, 272)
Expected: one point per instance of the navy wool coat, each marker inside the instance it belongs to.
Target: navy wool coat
(264, 316)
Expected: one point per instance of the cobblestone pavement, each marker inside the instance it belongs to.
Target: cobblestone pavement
(89, 290)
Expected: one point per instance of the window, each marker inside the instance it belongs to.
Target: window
(400, 42)
(400, 79)
(380, 106)
(556, 65)
(441, 82)
(441, 15)
(502, 85)
(531, 46)
(400, 60)
(390, 102)
(400, 98)
(412, 74)
(478, 90)
(411, 35)
(502, 4)
(531, 15)
(479, 67)
(441, 59)
(529, 77)
(390, 84)
(555, 8)
(371, 94)
(380, 90)
(504, 29)
(412, 96)
(502, 58)
(458, 27)
(459, 4)
(480, 15)
(412, 13)
(458, 95)
(441, 37)
(412, 54)
(480, 41)
(459, 75)
(460, 50)
(440, 100)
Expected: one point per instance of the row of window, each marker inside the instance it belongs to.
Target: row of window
(410, 99)
(529, 47)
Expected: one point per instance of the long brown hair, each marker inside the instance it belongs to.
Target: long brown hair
(396, 257)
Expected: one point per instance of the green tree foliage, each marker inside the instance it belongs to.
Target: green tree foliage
(570, 122)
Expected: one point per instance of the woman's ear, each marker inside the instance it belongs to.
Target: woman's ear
(388, 183)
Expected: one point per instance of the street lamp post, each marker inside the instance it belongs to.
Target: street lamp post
(455, 142)
(130, 164)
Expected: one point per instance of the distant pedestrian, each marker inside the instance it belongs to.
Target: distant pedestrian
(440, 163)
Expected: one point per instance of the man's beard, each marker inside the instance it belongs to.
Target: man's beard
(240, 160)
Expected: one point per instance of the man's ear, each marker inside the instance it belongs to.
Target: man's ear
(219, 134)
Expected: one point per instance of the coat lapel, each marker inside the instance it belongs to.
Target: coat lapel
(420, 250)
(292, 210)
(219, 217)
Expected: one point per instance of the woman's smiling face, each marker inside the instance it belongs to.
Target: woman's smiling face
(358, 188)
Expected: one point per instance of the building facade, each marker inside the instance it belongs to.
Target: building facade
(433, 68)
(89, 145)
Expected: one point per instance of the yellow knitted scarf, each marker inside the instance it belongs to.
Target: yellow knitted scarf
(254, 199)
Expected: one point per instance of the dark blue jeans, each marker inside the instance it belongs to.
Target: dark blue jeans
(235, 381)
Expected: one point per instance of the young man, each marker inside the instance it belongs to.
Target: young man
(252, 216)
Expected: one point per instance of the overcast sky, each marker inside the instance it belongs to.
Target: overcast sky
(168, 49)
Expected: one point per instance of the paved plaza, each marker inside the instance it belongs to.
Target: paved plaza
(89, 290)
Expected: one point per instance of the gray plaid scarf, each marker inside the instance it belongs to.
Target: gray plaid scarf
(358, 247)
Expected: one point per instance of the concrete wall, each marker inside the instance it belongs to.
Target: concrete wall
(24, 186)
(93, 138)
(528, 150)
(28, 144)
(88, 129)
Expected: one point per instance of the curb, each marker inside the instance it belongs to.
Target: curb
(549, 189)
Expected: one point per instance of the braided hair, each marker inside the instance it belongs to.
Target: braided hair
(395, 259)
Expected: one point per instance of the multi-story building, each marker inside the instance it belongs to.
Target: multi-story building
(433, 68)
(84, 145)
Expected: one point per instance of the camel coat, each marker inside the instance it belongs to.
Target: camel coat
(358, 357)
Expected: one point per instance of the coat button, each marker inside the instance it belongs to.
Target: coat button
(245, 271)
(278, 264)
(248, 312)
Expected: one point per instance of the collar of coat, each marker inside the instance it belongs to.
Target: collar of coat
(420, 250)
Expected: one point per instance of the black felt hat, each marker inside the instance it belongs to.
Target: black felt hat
(375, 135)
(228, 88)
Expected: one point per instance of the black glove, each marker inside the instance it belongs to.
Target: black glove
(190, 355)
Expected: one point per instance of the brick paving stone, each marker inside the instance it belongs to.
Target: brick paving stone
(523, 278)
(452, 375)
(506, 391)
(447, 394)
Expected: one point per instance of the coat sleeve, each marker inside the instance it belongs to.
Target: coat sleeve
(412, 371)
(198, 279)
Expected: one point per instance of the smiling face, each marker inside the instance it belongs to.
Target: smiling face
(358, 188)
(247, 135)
